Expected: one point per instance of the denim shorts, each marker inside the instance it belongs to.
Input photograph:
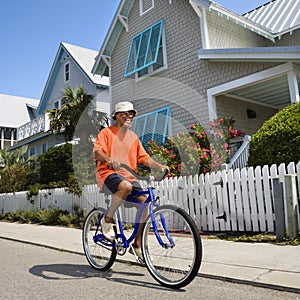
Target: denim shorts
(112, 182)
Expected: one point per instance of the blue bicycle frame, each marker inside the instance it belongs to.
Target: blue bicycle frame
(99, 237)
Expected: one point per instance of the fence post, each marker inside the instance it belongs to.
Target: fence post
(279, 209)
(291, 205)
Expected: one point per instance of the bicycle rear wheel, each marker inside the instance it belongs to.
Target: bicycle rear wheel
(175, 263)
(99, 252)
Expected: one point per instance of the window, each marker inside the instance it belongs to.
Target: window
(67, 72)
(63, 101)
(44, 148)
(147, 51)
(146, 5)
(32, 152)
(56, 104)
(152, 126)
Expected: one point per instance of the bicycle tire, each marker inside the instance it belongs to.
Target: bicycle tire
(176, 266)
(99, 252)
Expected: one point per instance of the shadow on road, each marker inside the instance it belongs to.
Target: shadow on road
(75, 271)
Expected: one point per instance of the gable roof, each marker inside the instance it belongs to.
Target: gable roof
(270, 20)
(15, 111)
(119, 22)
(83, 57)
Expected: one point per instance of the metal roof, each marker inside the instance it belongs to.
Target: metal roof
(277, 16)
(273, 92)
(14, 110)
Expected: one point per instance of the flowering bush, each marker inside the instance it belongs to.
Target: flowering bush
(196, 151)
(224, 128)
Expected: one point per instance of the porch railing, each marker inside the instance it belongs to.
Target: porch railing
(35, 126)
(240, 158)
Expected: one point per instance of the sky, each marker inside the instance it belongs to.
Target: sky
(32, 30)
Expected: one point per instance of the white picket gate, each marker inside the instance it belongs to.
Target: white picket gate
(234, 200)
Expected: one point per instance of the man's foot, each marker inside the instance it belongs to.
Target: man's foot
(137, 252)
(108, 230)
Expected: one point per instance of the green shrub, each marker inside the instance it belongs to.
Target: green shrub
(278, 140)
(47, 217)
(28, 216)
(13, 216)
(65, 219)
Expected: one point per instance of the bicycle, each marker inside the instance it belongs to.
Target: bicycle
(171, 243)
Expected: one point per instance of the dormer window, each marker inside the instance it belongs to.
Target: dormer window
(145, 6)
(67, 72)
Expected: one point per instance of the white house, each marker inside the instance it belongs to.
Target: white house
(15, 111)
(72, 67)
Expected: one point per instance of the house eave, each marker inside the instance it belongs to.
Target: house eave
(120, 18)
(229, 15)
(267, 54)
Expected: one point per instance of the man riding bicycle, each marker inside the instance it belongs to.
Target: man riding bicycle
(116, 145)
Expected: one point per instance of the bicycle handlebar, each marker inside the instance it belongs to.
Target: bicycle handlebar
(143, 177)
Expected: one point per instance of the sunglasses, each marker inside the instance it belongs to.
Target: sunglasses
(128, 113)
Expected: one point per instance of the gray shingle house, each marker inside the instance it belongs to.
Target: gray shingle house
(71, 67)
(181, 61)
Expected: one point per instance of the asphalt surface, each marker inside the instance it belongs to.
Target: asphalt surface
(258, 264)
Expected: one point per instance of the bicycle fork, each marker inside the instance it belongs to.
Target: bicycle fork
(171, 243)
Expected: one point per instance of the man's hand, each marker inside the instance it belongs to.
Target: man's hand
(113, 164)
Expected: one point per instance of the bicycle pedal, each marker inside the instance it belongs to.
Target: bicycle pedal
(121, 250)
(140, 261)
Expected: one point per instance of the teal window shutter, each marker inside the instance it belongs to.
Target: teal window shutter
(145, 49)
(152, 126)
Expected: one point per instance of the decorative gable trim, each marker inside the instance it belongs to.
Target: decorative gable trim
(124, 21)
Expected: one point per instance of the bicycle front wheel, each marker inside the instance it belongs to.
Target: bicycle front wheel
(172, 247)
(99, 252)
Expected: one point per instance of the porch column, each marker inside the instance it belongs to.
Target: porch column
(293, 86)
(212, 107)
(2, 138)
(12, 133)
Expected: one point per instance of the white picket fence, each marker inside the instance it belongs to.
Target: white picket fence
(245, 196)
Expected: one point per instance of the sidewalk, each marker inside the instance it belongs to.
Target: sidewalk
(258, 264)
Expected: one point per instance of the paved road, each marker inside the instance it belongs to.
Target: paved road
(35, 272)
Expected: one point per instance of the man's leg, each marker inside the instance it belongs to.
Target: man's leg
(138, 239)
(124, 189)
